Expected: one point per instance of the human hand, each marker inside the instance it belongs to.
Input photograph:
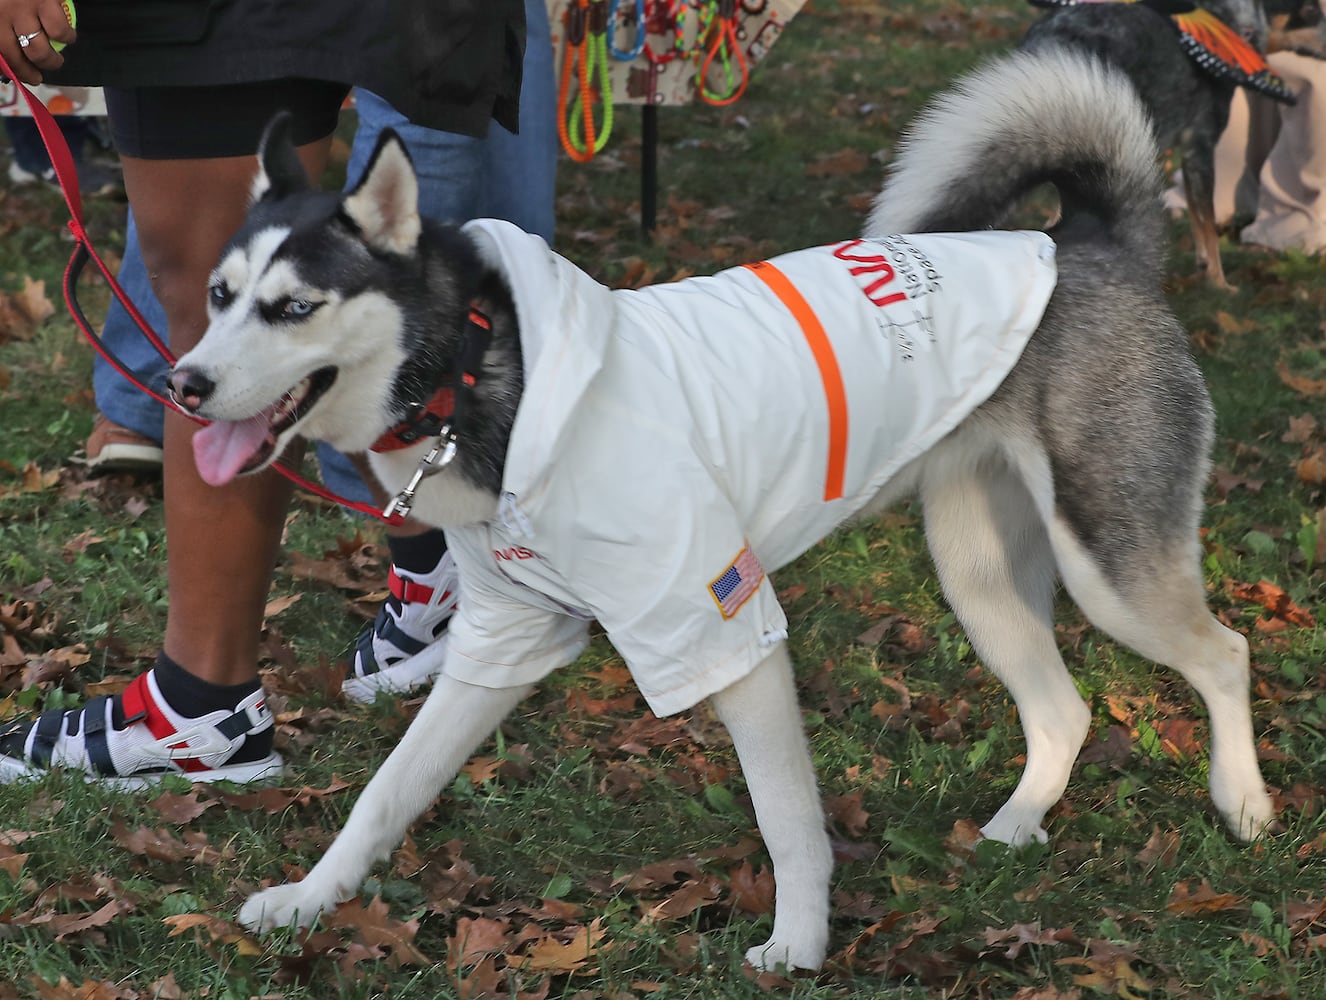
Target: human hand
(27, 28)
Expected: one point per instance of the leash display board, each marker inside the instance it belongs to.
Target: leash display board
(669, 55)
(653, 53)
(58, 100)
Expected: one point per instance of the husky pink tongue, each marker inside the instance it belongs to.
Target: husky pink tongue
(222, 448)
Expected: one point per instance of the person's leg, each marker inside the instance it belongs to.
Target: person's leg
(1291, 212)
(31, 162)
(129, 436)
(222, 541)
(504, 176)
(501, 176)
(201, 708)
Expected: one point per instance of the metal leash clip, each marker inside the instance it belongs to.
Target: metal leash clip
(434, 461)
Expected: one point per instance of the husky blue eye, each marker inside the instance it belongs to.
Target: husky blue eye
(219, 294)
(296, 308)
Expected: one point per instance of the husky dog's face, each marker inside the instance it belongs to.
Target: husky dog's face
(304, 338)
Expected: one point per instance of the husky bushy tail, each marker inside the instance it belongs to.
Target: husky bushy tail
(1022, 120)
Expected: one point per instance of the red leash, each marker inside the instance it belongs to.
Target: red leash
(62, 159)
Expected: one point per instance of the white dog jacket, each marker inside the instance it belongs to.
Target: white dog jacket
(676, 442)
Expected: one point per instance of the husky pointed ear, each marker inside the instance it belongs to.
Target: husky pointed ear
(385, 203)
(280, 170)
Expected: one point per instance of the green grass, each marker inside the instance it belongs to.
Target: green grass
(905, 724)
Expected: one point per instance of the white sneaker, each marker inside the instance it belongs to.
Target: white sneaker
(411, 620)
(18, 176)
(132, 740)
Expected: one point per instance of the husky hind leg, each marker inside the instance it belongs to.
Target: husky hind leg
(996, 568)
(1160, 612)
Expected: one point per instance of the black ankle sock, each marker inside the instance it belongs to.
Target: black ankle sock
(192, 696)
(418, 553)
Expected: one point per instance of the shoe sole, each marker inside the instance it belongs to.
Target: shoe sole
(402, 678)
(126, 458)
(269, 768)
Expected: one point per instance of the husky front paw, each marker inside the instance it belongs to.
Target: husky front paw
(773, 953)
(1014, 830)
(295, 904)
(1248, 817)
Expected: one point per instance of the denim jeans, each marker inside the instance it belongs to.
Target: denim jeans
(28, 148)
(501, 176)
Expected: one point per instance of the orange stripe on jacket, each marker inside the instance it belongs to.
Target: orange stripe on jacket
(835, 396)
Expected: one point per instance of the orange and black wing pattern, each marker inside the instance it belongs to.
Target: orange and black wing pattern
(1209, 42)
(1219, 50)
(1072, 3)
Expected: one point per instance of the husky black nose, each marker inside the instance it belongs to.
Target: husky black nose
(189, 389)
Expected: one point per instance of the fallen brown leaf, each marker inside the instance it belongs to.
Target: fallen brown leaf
(1299, 383)
(839, 164)
(848, 813)
(89, 989)
(181, 809)
(32, 301)
(1184, 901)
(1020, 936)
(550, 954)
(373, 925)
(752, 891)
(1273, 599)
(1301, 429)
(1312, 469)
(1161, 849)
(65, 924)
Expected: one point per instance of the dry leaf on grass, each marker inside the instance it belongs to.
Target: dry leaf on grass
(752, 891)
(1301, 429)
(218, 931)
(551, 954)
(63, 925)
(162, 845)
(1312, 469)
(1301, 384)
(278, 604)
(839, 164)
(1273, 599)
(1187, 902)
(32, 301)
(373, 925)
(89, 989)
(1012, 941)
(1161, 849)
(11, 861)
(181, 809)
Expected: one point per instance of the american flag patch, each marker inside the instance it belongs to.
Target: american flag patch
(734, 586)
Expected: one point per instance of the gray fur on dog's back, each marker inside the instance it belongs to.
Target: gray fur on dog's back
(1107, 387)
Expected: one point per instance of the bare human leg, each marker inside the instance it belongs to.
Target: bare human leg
(221, 543)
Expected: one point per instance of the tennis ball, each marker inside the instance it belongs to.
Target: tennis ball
(71, 16)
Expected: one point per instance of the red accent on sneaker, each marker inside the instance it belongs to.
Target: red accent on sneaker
(409, 591)
(137, 700)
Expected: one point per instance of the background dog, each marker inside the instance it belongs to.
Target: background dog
(340, 317)
(1187, 89)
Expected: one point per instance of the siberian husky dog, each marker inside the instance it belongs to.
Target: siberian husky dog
(643, 457)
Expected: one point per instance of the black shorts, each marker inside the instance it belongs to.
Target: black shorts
(189, 123)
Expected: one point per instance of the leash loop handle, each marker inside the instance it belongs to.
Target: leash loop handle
(638, 46)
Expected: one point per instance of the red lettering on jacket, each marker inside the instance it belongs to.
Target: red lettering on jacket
(514, 552)
(870, 264)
